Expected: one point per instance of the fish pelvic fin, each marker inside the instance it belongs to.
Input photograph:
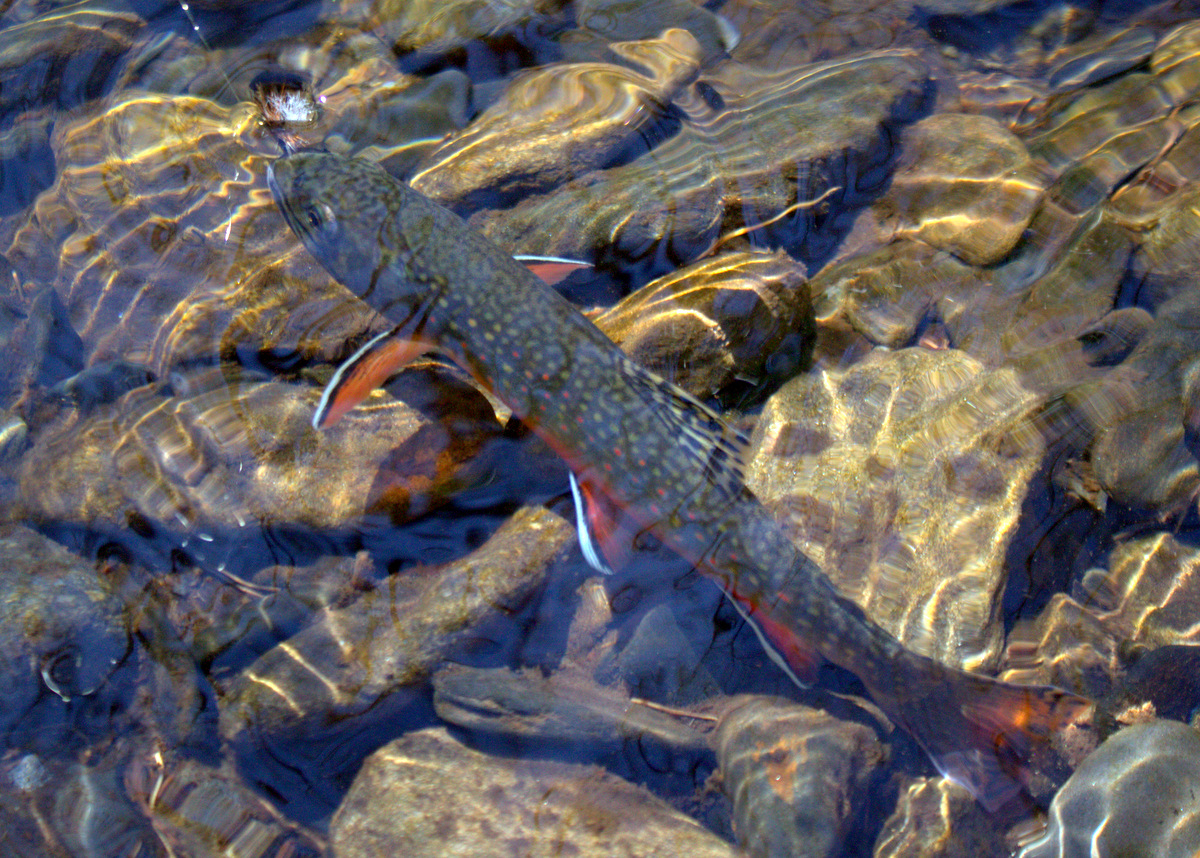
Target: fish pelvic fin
(551, 270)
(1010, 745)
(362, 372)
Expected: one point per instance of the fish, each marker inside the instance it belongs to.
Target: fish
(645, 456)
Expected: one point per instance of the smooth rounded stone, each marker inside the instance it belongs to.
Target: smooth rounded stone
(61, 627)
(162, 239)
(164, 245)
(1005, 97)
(196, 809)
(63, 58)
(14, 436)
(218, 455)
(350, 658)
(554, 124)
(796, 776)
(887, 293)
(54, 807)
(1102, 56)
(1143, 415)
(1097, 115)
(226, 626)
(1116, 335)
(370, 113)
(1143, 201)
(964, 184)
(426, 795)
(1176, 62)
(613, 20)
(1167, 253)
(937, 818)
(739, 317)
(777, 33)
(904, 477)
(433, 27)
(1135, 795)
(1144, 601)
(1077, 289)
(759, 161)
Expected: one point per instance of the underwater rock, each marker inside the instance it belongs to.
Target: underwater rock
(739, 317)
(887, 294)
(963, 184)
(796, 776)
(1133, 796)
(1096, 639)
(554, 124)
(430, 28)
(390, 639)
(937, 818)
(564, 707)
(64, 630)
(764, 160)
(197, 809)
(903, 477)
(210, 461)
(425, 794)
(54, 807)
(612, 20)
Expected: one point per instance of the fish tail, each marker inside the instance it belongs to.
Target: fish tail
(1005, 743)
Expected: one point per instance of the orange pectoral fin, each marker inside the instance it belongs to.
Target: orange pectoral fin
(364, 371)
(551, 269)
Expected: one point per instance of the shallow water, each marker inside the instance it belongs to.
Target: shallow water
(988, 440)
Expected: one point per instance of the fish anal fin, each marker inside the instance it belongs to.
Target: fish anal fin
(607, 536)
(781, 643)
(551, 269)
(364, 371)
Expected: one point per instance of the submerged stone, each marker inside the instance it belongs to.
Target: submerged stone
(554, 124)
(1132, 796)
(778, 143)
(904, 477)
(425, 794)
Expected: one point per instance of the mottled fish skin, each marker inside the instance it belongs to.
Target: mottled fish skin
(648, 449)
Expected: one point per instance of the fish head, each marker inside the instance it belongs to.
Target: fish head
(338, 207)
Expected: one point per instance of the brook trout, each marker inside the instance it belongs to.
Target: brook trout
(645, 455)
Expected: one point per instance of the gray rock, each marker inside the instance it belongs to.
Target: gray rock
(1135, 795)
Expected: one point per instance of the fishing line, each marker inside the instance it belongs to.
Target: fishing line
(187, 10)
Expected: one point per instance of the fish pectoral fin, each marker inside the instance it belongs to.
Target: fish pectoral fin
(364, 371)
(606, 535)
(550, 269)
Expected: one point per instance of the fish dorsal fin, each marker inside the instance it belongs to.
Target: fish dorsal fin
(364, 371)
(550, 269)
(721, 447)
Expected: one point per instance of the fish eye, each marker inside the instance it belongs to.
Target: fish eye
(321, 219)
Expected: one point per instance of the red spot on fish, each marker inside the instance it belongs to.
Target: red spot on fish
(579, 419)
(662, 493)
(617, 451)
(608, 466)
(545, 376)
